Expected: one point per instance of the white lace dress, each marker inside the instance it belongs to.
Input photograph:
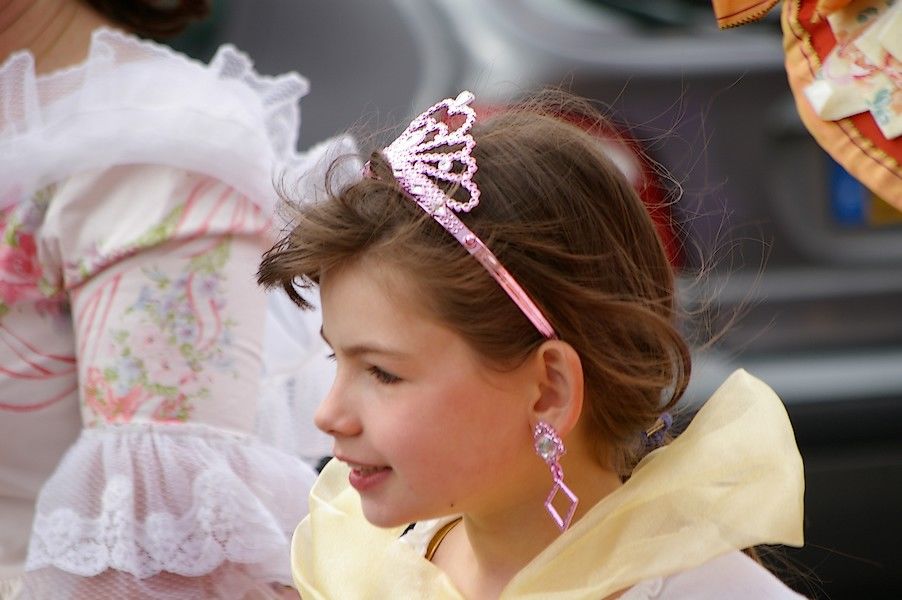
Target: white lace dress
(135, 201)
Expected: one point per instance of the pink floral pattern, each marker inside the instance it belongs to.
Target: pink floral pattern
(104, 399)
(863, 72)
(21, 277)
(160, 365)
(19, 270)
(92, 258)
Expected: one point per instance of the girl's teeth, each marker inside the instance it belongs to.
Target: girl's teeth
(367, 470)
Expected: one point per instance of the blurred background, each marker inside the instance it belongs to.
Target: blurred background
(803, 283)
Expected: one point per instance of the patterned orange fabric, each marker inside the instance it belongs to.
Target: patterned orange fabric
(733, 13)
(855, 142)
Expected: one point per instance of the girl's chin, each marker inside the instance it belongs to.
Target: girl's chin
(387, 513)
(390, 515)
(385, 519)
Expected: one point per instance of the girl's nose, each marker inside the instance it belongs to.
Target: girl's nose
(335, 415)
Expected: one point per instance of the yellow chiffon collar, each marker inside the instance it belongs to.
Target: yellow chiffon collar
(732, 480)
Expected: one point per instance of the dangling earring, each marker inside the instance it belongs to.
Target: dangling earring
(550, 448)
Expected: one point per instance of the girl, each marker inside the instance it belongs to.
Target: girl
(502, 316)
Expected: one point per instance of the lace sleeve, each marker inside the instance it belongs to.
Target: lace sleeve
(167, 492)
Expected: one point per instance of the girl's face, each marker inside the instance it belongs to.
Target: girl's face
(427, 429)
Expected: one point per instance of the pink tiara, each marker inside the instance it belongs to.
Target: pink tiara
(427, 152)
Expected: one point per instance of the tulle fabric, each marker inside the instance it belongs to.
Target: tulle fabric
(155, 510)
(298, 374)
(133, 101)
(227, 581)
(297, 371)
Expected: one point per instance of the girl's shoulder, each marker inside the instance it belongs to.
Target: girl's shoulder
(733, 575)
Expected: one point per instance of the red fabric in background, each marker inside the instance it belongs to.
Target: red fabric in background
(649, 186)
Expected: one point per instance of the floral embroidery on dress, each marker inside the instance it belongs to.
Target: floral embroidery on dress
(92, 257)
(160, 366)
(21, 277)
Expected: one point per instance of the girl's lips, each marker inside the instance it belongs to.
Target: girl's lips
(365, 477)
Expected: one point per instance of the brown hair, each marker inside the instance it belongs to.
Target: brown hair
(565, 222)
(153, 18)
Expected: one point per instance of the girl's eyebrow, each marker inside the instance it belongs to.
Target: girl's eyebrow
(365, 349)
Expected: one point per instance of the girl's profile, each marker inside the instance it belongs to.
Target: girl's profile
(502, 314)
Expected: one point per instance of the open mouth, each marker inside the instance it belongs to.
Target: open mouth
(364, 470)
(364, 477)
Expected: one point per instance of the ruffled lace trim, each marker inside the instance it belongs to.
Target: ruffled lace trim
(135, 101)
(183, 499)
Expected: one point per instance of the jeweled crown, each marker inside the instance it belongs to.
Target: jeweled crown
(433, 151)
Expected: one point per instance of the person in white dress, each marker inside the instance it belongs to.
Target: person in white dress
(136, 196)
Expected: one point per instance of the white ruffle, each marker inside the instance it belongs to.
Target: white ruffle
(135, 101)
(297, 375)
(297, 371)
(183, 499)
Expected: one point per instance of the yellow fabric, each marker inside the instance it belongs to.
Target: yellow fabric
(732, 480)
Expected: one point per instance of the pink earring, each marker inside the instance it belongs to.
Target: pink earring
(550, 448)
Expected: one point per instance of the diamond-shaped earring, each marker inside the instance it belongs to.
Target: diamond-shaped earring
(550, 447)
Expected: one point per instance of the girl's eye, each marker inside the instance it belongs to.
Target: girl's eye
(331, 357)
(383, 376)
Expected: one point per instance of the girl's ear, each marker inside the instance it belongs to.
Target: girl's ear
(560, 400)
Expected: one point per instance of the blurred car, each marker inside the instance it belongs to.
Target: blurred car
(802, 269)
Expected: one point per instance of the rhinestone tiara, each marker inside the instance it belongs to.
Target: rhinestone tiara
(430, 151)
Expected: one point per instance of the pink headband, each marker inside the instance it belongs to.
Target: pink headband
(416, 164)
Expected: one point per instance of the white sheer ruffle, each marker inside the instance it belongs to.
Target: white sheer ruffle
(297, 371)
(175, 500)
(297, 376)
(231, 581)
(135, 101)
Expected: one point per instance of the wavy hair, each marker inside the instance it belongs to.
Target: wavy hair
(565, 222)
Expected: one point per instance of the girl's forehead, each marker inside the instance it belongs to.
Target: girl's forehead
(377, 293)
(380, 301)
(373, 279)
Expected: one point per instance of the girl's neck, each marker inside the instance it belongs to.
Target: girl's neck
(483, 553)
(56, 32)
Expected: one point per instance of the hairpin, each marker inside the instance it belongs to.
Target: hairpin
(654, 436)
